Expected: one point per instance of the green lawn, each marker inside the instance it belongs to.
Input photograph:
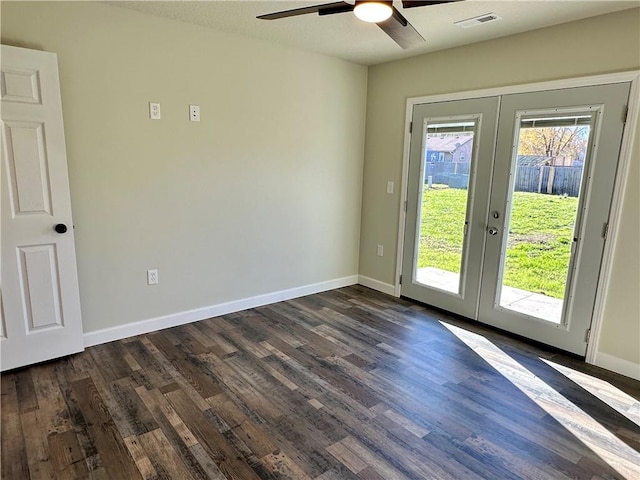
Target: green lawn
(539, 241)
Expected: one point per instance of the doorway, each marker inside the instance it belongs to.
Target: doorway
(507, 208)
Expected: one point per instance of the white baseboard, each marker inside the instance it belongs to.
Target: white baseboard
(377, 285)
(618, 365)
(180, 318)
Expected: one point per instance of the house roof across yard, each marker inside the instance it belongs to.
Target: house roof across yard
(447, 142)
(534, 160)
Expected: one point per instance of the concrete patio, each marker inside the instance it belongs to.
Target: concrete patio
(533, 304)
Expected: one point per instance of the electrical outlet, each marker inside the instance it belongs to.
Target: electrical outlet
(194, 113)
(154, 111)
(380, 250)
(152, 277)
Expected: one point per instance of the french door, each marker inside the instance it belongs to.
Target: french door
(507, 208)
(445, 228)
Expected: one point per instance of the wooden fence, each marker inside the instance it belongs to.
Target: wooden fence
(547, 179)
(443, 172)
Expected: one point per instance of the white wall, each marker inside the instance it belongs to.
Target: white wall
(605, 44)
(262, 195)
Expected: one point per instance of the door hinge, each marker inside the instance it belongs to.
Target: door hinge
(625, 114)
(605, 230)
(587, 335)
(410, 127)
(405, 206)
(400, 280)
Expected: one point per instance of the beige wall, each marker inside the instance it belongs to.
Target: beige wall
(599, 45)
(264, 194)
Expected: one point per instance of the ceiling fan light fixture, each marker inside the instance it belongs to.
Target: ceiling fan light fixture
(373, 12)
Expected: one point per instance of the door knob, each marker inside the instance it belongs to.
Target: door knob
(60, 228)
(493, 231)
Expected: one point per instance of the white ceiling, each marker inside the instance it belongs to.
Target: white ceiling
(346, 37)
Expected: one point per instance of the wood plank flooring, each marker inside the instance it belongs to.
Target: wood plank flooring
(348, 384)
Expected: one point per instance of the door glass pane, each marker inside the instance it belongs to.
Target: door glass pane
(542, 214)
(448, 148)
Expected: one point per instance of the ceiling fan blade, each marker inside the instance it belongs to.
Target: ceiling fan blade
(424, 3)
(325, 9)
(401, 31)
(338, 7)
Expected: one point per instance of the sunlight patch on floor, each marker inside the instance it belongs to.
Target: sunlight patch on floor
(614, 397)
(619, 456)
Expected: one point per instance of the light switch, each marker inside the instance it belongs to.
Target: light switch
(154, 111)
(194, 113)
(389, 187)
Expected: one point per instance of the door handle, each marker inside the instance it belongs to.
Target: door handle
(60, 228)
(493, 231)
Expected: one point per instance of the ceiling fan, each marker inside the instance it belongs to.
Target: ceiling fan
(382, 13)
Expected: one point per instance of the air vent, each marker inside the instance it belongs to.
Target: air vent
(475, 21)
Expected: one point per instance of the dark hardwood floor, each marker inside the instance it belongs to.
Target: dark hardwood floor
(347, 384)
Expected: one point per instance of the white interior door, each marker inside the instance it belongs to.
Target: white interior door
(39, 285)
(508, 203)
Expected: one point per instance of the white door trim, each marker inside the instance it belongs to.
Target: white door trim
(626, 149)
(619, 189)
